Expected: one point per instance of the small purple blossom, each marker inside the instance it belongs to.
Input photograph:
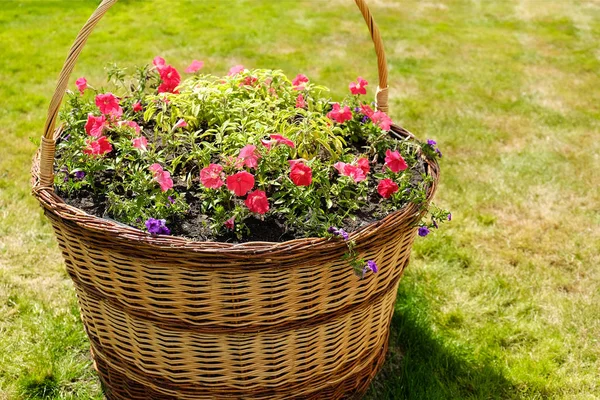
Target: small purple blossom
(67, 137)
(356, 109)
(338, 232)
(423, 231)
(372, 266)
(79, 175)
(364, 119)
(157, 227)
(439, 153)
(449, 216)
(434, 223)
(431, 142)
(171, 201)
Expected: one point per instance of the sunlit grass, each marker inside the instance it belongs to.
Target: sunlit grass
(501, 303)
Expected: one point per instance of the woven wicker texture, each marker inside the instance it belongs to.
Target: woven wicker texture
(171, 318)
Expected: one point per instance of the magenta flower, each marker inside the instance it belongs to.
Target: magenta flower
(358, 87)
(194, 67)
(299, 81)
(236, 69)
(340, 115)
(81, 84)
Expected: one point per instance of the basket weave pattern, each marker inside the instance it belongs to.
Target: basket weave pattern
(171, 318)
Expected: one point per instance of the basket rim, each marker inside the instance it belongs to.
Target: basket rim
(53, 203)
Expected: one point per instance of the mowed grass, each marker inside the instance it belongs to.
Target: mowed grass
(503, 302)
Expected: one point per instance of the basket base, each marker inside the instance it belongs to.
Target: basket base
(118, 386)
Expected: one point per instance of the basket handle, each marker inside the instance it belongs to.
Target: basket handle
(48, 139)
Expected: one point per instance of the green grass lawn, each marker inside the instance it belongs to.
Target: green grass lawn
(503, 302)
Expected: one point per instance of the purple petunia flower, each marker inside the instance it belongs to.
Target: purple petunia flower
(364, 119)
(423, 231)
(439, 153)
(431, 142)
(79, 175)
(157, 227)
(372, 266)
(338, 232)
(434, 223)
(449, 216)
(356, 109)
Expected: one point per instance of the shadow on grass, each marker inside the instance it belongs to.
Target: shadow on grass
(421, 364)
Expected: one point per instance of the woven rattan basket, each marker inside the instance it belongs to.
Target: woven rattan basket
(171, 318)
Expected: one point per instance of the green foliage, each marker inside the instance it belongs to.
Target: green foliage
(221, 116)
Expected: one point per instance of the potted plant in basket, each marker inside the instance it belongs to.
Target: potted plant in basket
(211, 226)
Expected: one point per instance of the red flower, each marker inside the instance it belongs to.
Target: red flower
(394, 161)
(236, 69)
(109, 105)
(301, 174)
(387, 187)
(368, 111)
(137, 107)
(299, 81)
(95, 125)
(280, 139)
(257, 202)
(250, 156)
(140, 143)
(354, 172)
(382, 120)
(161, 176)
(363, 164)
(81, 84)
(249, 81)
(195, 66)
(211, 176)
(338, 115)
(170, 79)
(240, 183)
(131, 124)
(230, 223)
(300, 102)
(98, 146)
(358, 87)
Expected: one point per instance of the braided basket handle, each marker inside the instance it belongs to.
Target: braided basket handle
(49, 138)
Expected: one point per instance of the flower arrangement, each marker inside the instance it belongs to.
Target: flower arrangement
(249, 156)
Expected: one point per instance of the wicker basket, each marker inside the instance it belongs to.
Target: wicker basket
(171, 318)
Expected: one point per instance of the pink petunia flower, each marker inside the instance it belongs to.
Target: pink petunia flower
(81, 84)
(363, 164)
(131, 124)
(340, 115)
(257, 202)
(211, 176)
(354, 172)
(140, 143)
(280, 139)
(249, 155)
(299, 81)
(300, 102)
(301, 174)
(180, 124)
(394, 161)
(236, 69)
(382, 120)
(109, 105)
(230, 223)
(365, 109)
(161, 176)
(158, 61)
(194, 67)
(240, 183)
(387, 187)
(358, 87)
(98, 146)
(95, 125)
(137, 107)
